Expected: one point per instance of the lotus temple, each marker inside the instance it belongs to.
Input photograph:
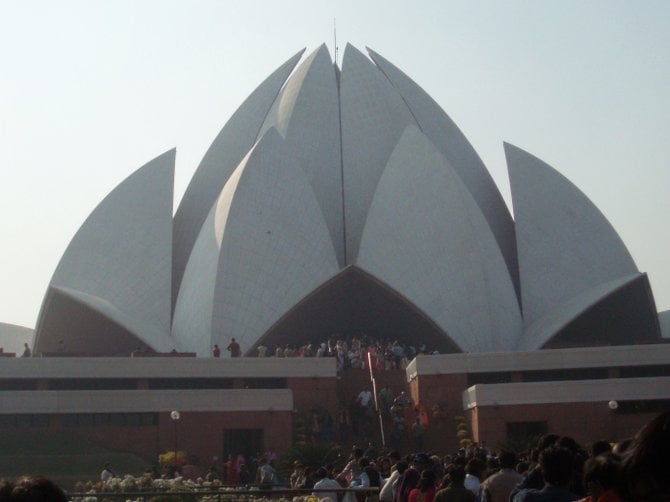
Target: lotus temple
(336, 201)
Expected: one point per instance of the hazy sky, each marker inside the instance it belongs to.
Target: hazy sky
(90, 91)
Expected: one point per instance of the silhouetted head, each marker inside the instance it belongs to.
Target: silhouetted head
(601, 473)
(556, 464)
(32, 489)
(507, 460)
(644, 465)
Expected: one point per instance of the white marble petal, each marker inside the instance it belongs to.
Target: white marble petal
(123, 251)
(426, 238)
(306, 114)
(374, 117)
(565, 244)
(544, 328)
(273, 247)
(448, 139)
(230, 146)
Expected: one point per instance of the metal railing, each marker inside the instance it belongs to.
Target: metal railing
(222, 495)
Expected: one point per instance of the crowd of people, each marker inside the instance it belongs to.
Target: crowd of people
(557, 470)
(350, 352)
(357, 420)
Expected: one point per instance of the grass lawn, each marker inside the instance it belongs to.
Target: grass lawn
(65, 458)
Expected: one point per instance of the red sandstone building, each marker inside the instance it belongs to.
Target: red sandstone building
(588, 392)
(248, 405)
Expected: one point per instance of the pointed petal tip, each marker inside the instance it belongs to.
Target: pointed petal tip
(297, 55)
(323, 48)
(167, 154)
(511, 149)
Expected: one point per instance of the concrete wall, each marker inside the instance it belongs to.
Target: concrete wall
(586, 422)
(161, 367)
(583, 357)
(205, 413)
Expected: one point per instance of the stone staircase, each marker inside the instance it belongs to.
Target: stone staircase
(440, 434)
(363, 429)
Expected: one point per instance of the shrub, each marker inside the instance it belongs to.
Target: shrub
(312, 455)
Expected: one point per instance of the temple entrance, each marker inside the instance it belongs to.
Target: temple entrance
(352, 303)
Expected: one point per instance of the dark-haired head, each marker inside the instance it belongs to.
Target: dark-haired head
(507, 460)
(569, 443)
(32, 489)
(601, 473)
(427, 480)
(556, 464)
(456, 474)
(321, 473)
(401, 466)
(5, 489)
(421, 459)
(644, 465)
(546, 441)
(475, 467)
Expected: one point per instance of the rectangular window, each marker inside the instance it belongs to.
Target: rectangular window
(92, 384)
(39, 420)
(7, 421)
(265, 383)
(109, 419)
(18, 384)
(69, 420)
(190, 383)
(491, 377)
(24, 420)
(148, 418)
(563, 375)
(101, 419)
(85, 419)
(132, 419)
(644, 371)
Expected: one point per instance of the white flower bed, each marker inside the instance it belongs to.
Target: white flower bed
(94, 492)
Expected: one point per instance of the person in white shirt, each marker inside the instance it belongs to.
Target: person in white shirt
(364, 398)
(388, 488)
(107, 473)
(325, 483)
(476, 472)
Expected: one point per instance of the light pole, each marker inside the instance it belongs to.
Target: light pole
(175, 416)
(613, 406)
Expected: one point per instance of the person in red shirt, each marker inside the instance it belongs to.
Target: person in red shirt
(231, 472)
(425, 490)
